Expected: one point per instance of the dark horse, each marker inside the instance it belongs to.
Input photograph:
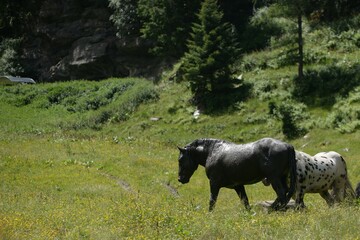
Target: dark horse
(232, 166)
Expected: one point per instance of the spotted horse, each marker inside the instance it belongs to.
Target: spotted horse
(320, 173)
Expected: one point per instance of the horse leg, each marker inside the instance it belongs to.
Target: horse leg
(280, 201)
(214, 192)
(339, 190)
(328, 198)
(284, 183)
(299, 201)
(240, 190)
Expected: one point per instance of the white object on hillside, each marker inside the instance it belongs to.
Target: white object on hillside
(8, 80)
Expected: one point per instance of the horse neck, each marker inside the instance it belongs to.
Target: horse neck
(208, 145)
(201, 158)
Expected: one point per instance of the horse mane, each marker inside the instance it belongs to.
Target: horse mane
(207, 143)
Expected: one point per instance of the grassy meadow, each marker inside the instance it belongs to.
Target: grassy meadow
(66, 176)
(98, 160)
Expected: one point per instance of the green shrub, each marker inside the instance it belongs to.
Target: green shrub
(20, 95)
(345, 115)
(9, 57)
(292, 115)
(59, 93)
(89, 104)
(322, 86)
(125, 99)
(263, 25)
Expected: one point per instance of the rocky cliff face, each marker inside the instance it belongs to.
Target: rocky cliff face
(75, 40)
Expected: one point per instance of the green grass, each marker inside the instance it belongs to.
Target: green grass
(57, 187)
(120, 181)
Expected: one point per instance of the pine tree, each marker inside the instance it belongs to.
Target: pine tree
(212, 52)
(166, 24)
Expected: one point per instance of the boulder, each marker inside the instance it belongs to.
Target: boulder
(71, 40)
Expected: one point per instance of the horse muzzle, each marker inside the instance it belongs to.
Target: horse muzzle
(183, 180)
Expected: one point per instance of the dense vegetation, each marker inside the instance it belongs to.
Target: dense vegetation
(97, 160)
(206, 40)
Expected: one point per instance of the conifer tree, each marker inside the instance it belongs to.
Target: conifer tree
(167, 23)
(211, 53)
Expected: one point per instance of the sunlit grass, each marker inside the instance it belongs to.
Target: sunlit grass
(65, 188)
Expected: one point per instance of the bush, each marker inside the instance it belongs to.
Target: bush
(91, 104)
(292, 115)
(9, 57)
(345, 115)
(223, 101)
(265, 24)
(20, 95)
(323, 85)
(120, 106)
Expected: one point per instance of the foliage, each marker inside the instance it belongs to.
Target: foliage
(346, 113)
(323, 85)
(98, 102)
(167, 24)
(125, 17)
(275, 25)
(249, 37)
(330, 10)
(266, 23)
(9, 57)
(16, 17)
(291, 114)
(345, 41)
(207, 64)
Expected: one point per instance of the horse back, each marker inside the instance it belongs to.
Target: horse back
(264, 151)
(249, 163)
(334, 160)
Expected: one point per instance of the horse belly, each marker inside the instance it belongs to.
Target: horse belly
(239, 165)
(234, 176)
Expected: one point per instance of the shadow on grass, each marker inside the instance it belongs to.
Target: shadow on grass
(320, 87)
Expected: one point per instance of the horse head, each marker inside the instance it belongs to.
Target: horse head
(188, 162)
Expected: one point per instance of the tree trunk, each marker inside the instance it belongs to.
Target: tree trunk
(301, 53)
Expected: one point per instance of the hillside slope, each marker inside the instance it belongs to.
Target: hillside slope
(97, 160)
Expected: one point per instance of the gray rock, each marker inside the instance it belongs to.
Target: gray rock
(70, 41)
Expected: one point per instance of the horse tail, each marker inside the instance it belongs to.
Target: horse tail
(349, 191)
(357, 190)
(292, 166)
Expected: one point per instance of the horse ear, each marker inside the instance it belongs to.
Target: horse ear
(182, 150)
